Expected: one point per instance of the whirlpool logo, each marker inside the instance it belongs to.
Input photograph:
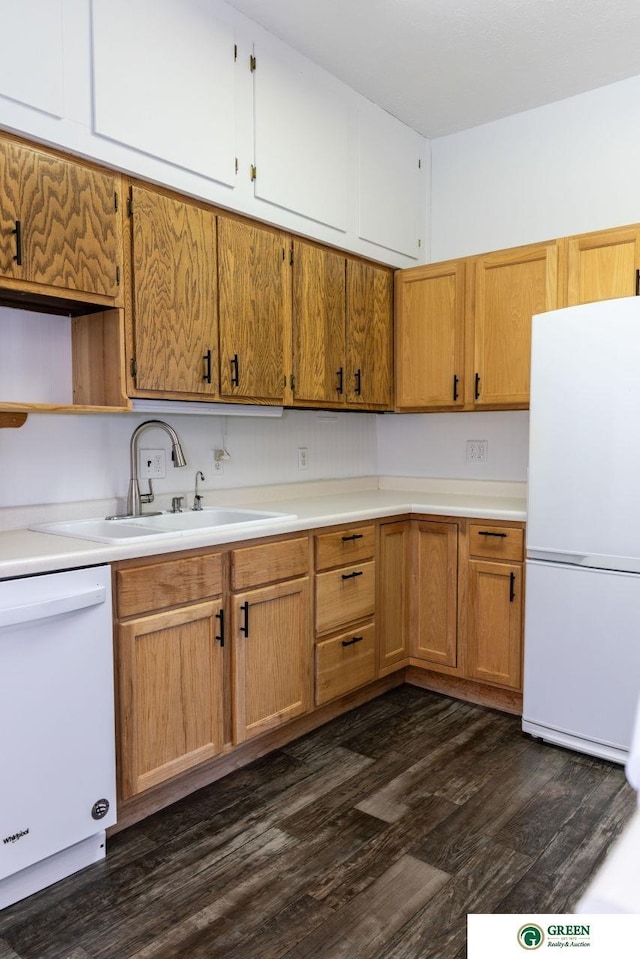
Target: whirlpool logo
(530, 936)
(15, 837)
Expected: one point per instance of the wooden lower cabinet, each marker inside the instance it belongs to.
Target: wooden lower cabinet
(494, 638)
(170, 695)
(434, 587)
(271, 657)
(393, 601)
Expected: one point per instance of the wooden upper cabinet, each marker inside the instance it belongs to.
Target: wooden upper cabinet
(430, 336)
(369, 359)
(175, 328)
(254, 302)
(599, 266)
(60, 223)
(318, 319)
(508, 288)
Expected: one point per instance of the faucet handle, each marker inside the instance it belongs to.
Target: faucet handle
(176, 504)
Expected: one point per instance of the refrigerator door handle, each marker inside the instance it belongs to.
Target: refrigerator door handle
(557, 556)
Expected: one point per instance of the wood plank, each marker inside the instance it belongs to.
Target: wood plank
(12, 420)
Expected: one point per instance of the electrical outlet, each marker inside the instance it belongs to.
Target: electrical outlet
(303, 458)
(152, 464)
(477, 451)
(218, 462)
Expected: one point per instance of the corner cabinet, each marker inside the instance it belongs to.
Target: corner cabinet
(174, 298)
(599, 266)
(342, 330)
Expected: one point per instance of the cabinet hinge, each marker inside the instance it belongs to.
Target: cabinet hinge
(133, 366)
(254, 172)
(235, 52)
(419, 163)
(236, 164)
(115, 202)
(252, 63)
(117, 276)
(419, 243)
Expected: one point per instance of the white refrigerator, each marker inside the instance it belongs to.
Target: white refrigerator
(582, 614)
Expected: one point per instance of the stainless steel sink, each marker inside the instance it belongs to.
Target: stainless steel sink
(161, 524)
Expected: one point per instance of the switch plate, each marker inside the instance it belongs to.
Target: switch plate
(477, 451)
(152, 464)
(303, 458)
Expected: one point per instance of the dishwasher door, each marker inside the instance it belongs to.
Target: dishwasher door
(57, 743)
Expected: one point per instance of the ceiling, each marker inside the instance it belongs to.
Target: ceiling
(446, 65)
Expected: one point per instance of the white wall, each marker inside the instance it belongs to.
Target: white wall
(435, 444)
(569, 167)
(60, 459)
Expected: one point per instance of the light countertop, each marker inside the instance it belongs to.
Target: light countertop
(325, 503)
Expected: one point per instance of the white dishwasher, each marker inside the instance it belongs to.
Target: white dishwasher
(57, 742)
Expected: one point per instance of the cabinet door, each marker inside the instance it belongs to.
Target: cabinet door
(318, 319)
(369, 370)
(272, 654)
(600, 266)
(435, 592)
(494, 641)
(254, 311)
(69, 226)
(174, 295)
(392, 610)
(170, 695)
(430, 336)
(509, 288)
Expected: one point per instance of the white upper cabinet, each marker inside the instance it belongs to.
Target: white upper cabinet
(392, 172)
(164, 81)
(301, 126)
(31, 65)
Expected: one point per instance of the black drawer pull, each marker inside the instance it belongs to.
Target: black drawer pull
(347, 539)
(477, 389)
(353, 575)
(245, 626)
(358, 383)
(512, 587)
(486, 532)
(340, 386)
(220, 618)
(235, 371)
(354, 639)
(456, 380)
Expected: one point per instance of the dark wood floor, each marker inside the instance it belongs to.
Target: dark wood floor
(371, 837)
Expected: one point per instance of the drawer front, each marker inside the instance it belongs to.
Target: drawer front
(256, 565)
(345, 546)
(175, 582)
(345, 662)
(345, 595)
(496, 542)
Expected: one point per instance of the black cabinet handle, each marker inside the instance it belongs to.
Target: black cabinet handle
(637, 282)
(347, 539)
(486, 532)
(18, 235)
(220, 636)
(245, 626)
(512, 587)
(354, 639)
(207, 366)
(235, 371)
(358, 387)
(456, 380)
(340, 386)
(353, 575)
(477, 386)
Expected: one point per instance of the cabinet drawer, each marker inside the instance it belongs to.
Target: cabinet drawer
(172, 583)
(344, 595)
(255, 565)
(344, 663)
(496, 542)
(345, 546)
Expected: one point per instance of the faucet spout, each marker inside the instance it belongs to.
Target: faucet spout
(135, 498)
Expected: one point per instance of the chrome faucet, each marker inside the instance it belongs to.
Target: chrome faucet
(135, 498)
(197, 499)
